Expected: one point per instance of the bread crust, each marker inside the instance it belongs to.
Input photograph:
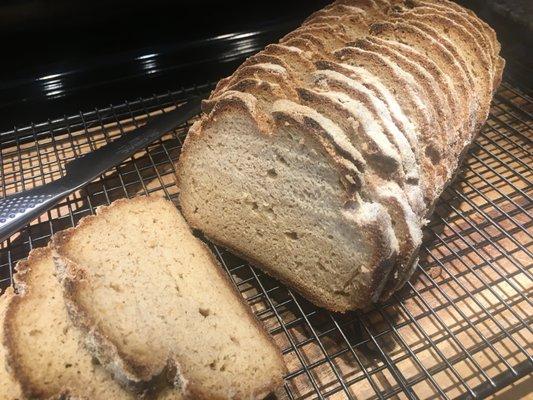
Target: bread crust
(13, 357)
(384, 255)
(9, 385)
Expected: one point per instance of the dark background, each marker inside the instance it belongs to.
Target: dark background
(61, 56)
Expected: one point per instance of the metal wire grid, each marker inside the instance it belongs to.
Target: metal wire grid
(460, 328)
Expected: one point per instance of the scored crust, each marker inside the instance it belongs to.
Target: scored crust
(61, 368)
(288, 112)
(129, 371)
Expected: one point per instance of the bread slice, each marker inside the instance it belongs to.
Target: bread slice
(376, 125)
(45, 350)
(260, 60)
(299, 60)
(285, 198)
(305, 46)
(263, 91)
(152, 302)
(9, 387)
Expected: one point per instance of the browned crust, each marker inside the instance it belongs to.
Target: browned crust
(426, 120)
(389, 165)
(14, 384)
(323, 19)
(259, 88)
(72, 281)
(444, 47)
(462, 81)
(407, 246)
(30, 388)
(488, 32)
(258, 71)
(429, 91)
(321, 31)
(468, 40)
(13, 354)
(411, 265)
(300, 64)
(486, 35)
(305, 45)
(482, 102)
(460, 19)
(433, 69)
(346, 163)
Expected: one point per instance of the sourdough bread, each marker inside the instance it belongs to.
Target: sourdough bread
(388, 96)
(153, 304)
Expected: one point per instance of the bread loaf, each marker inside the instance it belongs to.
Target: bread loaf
(321, 158)
(154, 306)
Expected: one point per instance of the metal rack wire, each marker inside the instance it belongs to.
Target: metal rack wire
(461, 328)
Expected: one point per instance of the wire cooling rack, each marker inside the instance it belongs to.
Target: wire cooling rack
(461, 328)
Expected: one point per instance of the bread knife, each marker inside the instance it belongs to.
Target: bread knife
(17, 210)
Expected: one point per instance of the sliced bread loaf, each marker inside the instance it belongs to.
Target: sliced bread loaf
(153, 303)
(285, 180)
(45, 350)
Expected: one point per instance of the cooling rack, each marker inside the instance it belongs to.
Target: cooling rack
(461, 328)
